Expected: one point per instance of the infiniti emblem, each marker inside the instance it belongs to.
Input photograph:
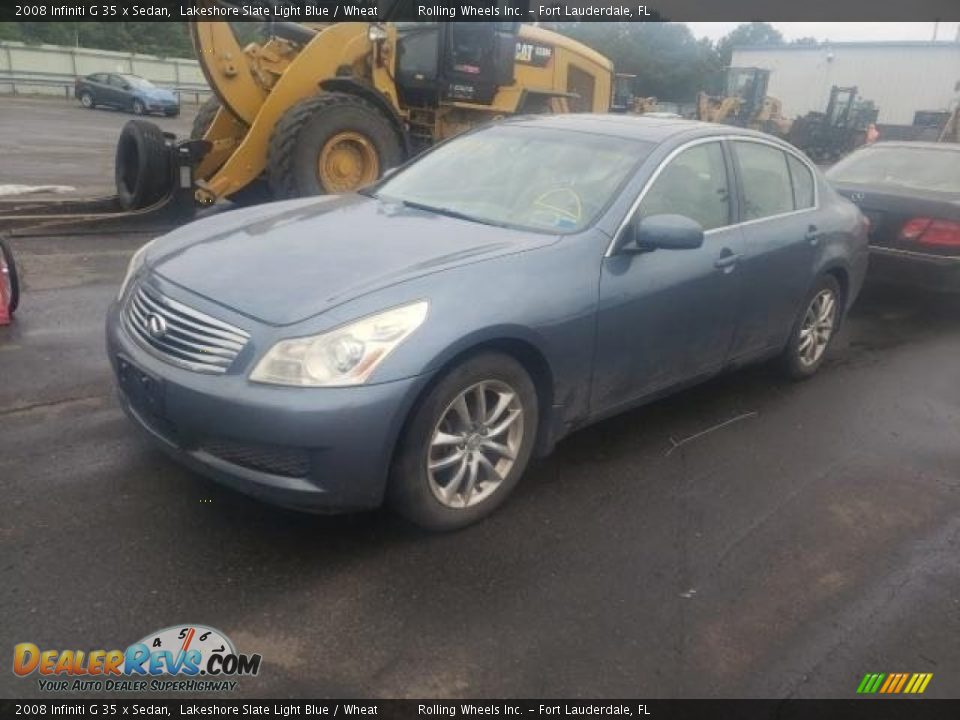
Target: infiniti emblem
(156, 325)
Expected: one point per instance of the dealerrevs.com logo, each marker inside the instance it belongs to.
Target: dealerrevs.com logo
(185, 658)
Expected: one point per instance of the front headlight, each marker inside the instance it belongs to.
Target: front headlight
(136, 262)
(345, 356)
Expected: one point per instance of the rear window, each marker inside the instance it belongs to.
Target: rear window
(919, 168)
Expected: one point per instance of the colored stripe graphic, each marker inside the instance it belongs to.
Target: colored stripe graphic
(894, 683)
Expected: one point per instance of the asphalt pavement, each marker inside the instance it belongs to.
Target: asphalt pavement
(785, 554)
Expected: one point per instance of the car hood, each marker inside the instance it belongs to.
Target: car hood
(283, 262)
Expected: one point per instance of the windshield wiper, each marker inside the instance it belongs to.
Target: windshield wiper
(449, 213)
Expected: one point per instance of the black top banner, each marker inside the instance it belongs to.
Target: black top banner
(480, 10)
(865, 709)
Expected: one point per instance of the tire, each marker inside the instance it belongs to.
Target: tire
(172, 113)
(310, 126)
(415, 492)
(795, 362)
(9, 267)
(86, 99)
(204, 118)
(137, 107)
(142, 168)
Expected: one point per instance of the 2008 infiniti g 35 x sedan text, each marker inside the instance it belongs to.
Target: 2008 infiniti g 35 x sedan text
(420, 341)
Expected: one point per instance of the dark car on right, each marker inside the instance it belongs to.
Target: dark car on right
(910, 193)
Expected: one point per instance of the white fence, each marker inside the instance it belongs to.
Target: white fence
(51, 70)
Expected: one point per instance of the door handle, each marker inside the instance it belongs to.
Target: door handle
(726, 261)
(813, 235)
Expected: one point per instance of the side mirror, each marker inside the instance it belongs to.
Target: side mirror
(666, 232)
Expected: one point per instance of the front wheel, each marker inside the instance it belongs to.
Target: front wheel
(814, 330)
(466, 445)
(138, 107)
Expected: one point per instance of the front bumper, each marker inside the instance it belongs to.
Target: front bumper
(904, 267)
(313, 449)
(161, 105)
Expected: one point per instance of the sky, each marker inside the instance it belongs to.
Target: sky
(839, 31)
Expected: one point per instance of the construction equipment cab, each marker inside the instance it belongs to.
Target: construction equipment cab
(327, 108)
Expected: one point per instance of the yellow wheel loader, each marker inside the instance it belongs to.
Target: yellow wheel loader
(745, 104)
(318, 109)
(328, 108)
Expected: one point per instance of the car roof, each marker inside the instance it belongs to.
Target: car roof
(914, 145)
(632, 127)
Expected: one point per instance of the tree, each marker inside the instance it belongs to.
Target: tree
(665, 57)
(754, 33)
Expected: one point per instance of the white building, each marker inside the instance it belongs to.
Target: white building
(900, 77)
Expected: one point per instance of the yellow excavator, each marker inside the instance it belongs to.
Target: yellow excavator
(327, 108)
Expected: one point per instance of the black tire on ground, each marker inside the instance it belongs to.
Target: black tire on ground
(142, 169)
(299, 136)
(204, 118)
(86, 99)
(172, 113)
(790, 360)
(409, 491)
(12, 277)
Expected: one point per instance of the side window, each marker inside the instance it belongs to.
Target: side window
(117, 81)
(694, 184)
(803, 195)
(767, 189)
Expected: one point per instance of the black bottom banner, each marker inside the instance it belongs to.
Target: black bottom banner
(865, 708)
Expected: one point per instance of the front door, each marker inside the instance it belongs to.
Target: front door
(668, 316)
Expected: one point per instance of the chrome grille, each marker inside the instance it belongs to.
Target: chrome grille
(181, 335)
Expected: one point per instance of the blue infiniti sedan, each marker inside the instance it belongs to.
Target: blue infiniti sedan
(420, 341)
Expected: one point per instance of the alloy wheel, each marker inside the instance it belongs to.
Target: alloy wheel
(817, 327)
(475, 444)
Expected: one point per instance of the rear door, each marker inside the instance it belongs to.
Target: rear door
(782, 229)
(668, 316)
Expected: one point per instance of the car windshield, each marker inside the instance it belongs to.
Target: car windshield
(138, 82)
(920, 168)
(522, 177)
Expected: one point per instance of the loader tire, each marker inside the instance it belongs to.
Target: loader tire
(142, 168)
(204, 118)
(331, 143)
